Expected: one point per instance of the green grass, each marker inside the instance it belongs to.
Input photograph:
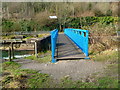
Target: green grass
(103, 82)
(43, 59)
(10, 65)
(32, 79)
(68, 83)
(29, 37)
(111, 71)
(9, 71)
(39, 80)
(107, 82)
(42, 35)
(8, 37)
(0, 68)
(16, 77)
(106, 56)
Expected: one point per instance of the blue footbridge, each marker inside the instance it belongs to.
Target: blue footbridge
(72, 44)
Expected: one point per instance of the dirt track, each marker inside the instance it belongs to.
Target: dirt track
(76, 69)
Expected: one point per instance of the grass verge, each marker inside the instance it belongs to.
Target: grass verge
(102, 82)
(14, 77)
(108, 55)
(43, 57)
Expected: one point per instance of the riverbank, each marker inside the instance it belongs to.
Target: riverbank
(19, 47)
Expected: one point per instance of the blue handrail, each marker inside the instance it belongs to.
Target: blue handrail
(54, 35)
(79, 37)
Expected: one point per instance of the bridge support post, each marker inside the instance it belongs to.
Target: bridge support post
(54, 60)
(86, 58)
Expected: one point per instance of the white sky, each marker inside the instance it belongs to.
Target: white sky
(59, 0)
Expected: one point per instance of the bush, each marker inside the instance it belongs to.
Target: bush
(71, 22)
(7, 25)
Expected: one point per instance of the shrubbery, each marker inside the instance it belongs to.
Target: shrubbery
(70, 22)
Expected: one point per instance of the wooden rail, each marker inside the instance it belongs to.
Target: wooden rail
(37, 42)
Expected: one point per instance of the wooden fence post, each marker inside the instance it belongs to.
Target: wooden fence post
(12, 50)
(36, 48)
(9, 53)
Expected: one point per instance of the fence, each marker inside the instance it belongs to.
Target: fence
(24, 33)
(79, 37)
(54, 35)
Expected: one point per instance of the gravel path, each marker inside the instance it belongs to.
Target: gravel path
(76, 69)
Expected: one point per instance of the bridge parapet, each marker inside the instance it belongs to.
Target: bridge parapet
(79, 37)
(54, 35)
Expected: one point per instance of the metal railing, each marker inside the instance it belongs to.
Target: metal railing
(79, 37)
(54, 35)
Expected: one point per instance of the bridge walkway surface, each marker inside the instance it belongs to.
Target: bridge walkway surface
(66, 49)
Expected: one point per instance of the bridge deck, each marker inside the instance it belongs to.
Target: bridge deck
(66, 49)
